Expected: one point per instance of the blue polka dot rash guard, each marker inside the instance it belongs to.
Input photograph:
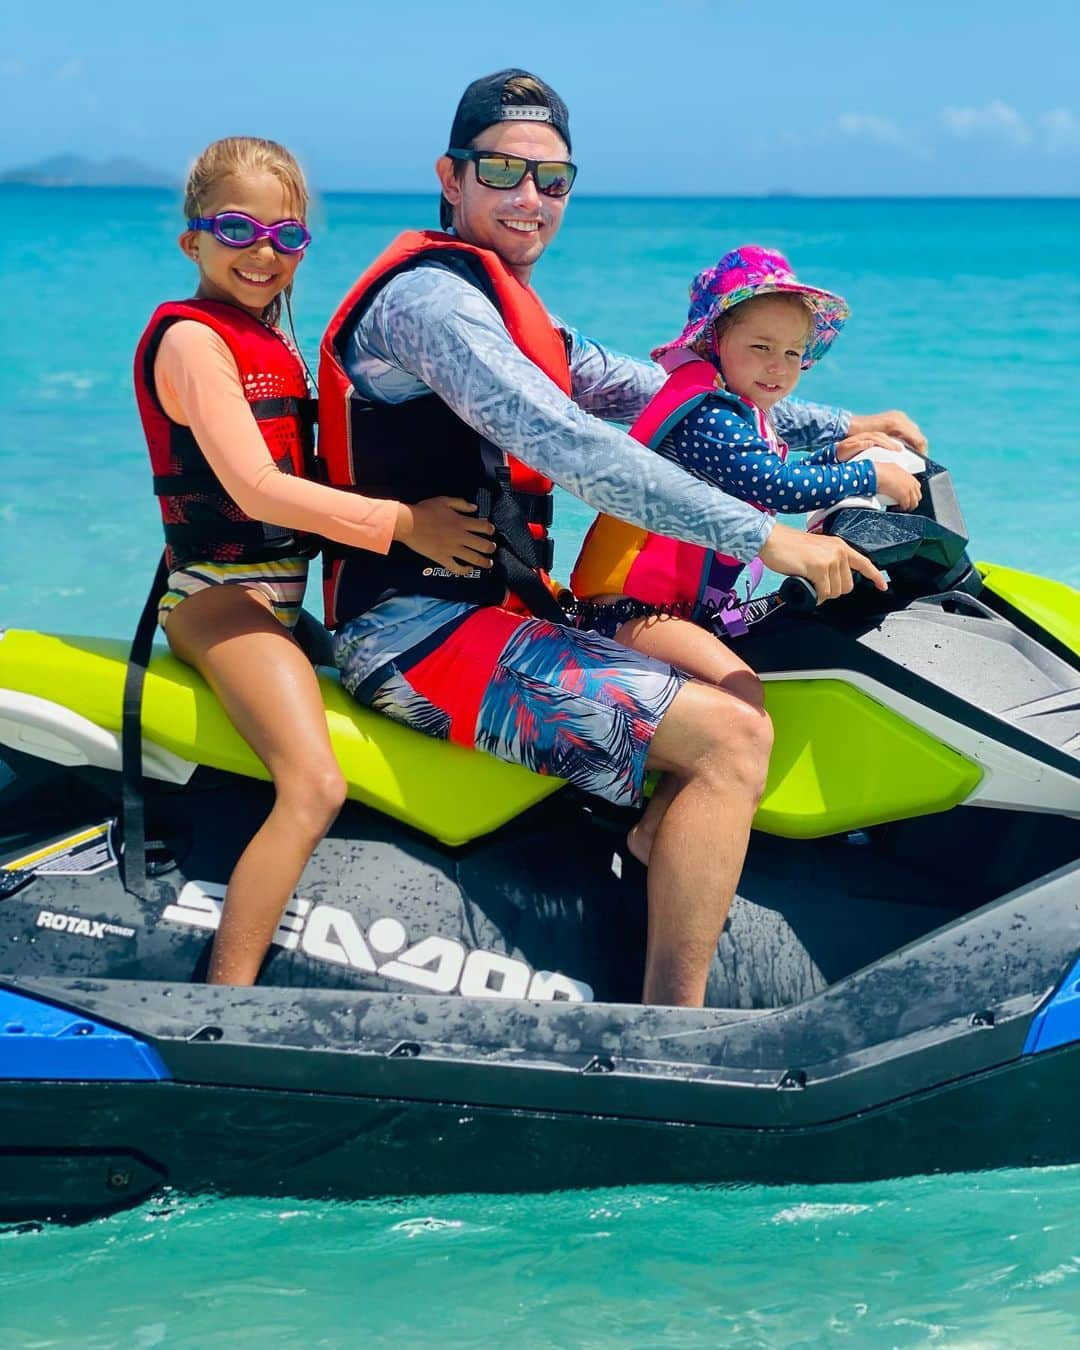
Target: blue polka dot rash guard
(719, 442)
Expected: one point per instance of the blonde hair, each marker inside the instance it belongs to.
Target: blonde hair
(237, 156)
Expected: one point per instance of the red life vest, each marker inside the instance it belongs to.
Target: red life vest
(621, 559)
(202, 522)
(420, 448)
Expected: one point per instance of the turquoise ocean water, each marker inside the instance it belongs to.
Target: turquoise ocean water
(967, 315)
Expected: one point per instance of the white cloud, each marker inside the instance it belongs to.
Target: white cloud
(869, 127)
(1053, 132)
(1061, 130)
(872, 129)
(997, 119)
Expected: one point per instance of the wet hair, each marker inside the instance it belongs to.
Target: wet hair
(237, 156)
(519, 91)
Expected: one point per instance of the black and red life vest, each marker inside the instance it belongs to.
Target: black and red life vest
(202, 522)
(420, 448)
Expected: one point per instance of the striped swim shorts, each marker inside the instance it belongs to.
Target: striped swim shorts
(281, 581)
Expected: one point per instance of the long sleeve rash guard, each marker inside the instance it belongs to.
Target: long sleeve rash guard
(430, 331)
(720, 444)
(199, 386)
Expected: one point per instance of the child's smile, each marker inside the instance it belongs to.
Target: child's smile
(253, 276)
(761, 352)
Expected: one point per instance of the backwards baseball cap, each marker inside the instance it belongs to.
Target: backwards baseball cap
(488, 101)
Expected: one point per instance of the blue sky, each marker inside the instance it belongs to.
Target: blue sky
(674, 96)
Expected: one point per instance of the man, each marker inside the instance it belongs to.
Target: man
(442, 372)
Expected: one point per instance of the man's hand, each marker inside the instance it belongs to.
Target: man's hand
(827, 563)
(851, 446)
(884, 429)
(441, 529)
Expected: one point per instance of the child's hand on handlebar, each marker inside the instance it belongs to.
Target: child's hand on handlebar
(904, 488)
(444, 530)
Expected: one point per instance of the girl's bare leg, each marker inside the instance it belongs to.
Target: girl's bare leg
(682, 643)
(271, 695)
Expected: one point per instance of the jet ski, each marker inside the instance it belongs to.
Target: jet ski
(451, 999)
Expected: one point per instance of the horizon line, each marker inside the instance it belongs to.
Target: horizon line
(777, 194)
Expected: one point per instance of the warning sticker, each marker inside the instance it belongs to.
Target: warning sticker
(75, 855)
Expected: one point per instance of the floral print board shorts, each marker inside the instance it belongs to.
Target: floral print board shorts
(561, 702)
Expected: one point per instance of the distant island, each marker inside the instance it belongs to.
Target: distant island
(75, 171)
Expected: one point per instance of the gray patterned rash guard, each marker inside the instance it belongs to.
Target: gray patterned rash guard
(428, 330)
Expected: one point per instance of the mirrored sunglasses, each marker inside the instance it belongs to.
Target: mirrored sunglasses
(553, 177)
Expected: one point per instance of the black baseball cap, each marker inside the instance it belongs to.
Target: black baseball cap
(486, 102)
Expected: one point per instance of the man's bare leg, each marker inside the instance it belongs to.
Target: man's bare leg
(682, 643)
(716, 747)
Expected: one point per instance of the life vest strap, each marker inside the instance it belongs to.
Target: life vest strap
(182, 484)
(133, 804)
(265, 409)
(188, 538)
(536, 509)
(203, 480)
(518, 552)
(525, 583)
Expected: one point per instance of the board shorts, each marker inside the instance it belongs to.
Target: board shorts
(556, 700)
(282, 581)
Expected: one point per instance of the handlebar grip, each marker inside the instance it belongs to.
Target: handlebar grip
(798, 594)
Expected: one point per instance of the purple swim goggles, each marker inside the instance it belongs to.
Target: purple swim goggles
(234, 229)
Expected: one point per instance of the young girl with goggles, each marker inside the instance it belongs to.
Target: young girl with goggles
(222, 394)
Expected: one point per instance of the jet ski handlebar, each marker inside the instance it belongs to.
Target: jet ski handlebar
(798, 594)
(923, 551)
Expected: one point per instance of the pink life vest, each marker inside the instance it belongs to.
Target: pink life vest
(621, 559)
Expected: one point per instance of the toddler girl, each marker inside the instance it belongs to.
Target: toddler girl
(752, 329)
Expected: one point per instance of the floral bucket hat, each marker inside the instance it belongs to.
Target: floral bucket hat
(749, 271)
